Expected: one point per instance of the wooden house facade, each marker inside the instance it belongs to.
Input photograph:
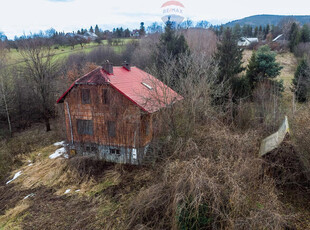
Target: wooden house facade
(109, 111)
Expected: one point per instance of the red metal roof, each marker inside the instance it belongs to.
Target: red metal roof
(141, 88)
(172, 3)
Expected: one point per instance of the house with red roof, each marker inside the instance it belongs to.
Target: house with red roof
(109, 112)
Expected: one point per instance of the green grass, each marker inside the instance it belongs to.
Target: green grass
(62, 52)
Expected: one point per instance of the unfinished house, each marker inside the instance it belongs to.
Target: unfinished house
(109, 112)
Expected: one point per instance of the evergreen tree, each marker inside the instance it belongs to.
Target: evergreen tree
(237, 31)
(142, 29)
(127, 33)
(305, 34)
(171, 46)
(228, 57)
(262, 66)
(97, 31)
(221, 30)
(171, 43)
(267, 30)
(256, 32)
(91, 30)
(294, 36)
(301, 81)
(260, 33)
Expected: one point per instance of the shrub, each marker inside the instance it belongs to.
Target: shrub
(301, 137)
(302, 49)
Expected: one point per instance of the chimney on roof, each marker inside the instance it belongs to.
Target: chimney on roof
(108, 67)
(126, 65)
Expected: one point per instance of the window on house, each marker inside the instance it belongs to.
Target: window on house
(91, 148)
(85, 127)
(85, 96)
(111, 128)
(115, 151)
(105, 97)
(94, 149)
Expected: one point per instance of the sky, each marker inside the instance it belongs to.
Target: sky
(19, 17)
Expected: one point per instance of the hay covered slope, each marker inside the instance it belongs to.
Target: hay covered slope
(195, 191)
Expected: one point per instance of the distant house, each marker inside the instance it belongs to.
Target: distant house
(135, 33)
(87, 36)
(109, 112)
(90, 36)
(244, 41)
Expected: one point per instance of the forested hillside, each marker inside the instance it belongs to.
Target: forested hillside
(265, 19)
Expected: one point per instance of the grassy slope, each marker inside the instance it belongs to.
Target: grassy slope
(100, 202)
(65, 51)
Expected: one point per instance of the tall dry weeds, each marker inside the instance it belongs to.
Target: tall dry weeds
(212, 177)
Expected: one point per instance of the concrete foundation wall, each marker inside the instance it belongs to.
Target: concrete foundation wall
(116, 154)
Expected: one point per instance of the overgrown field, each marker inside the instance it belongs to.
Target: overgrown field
(206, 172)
(215, 180)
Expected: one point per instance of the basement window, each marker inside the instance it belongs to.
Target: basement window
(147, 86)
(85, 96)
(111, 128)
(85, 127)
(115, 151)
(91, 149)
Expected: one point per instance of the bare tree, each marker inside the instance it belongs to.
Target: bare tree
(40, 70)
(285, 24)
(3, 87)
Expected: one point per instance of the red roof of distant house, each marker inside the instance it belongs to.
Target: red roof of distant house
(172, 3)
(141, 88)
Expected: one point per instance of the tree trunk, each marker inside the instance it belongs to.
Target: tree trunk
(47, 124)
(6, 109)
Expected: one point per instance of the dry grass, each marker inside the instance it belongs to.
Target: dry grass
(220, 184)
(13, 218)
(208, 176)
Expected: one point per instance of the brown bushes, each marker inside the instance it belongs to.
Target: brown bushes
(301, 137)
(212, 177)
(204, 193)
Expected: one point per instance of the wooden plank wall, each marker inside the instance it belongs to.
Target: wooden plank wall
(131, 122)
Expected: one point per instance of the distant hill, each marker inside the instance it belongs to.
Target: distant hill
(265, 19)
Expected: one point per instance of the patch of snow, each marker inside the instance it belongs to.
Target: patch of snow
(78, 190)
(15, 176)
(58, 153)
(30, 195)
(67, 191)
(29, 161)
(30, 164)
(61, 143)
(66, 156)
(134, 154)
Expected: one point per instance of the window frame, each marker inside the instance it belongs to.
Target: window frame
(111, 128)
(83, 93)
(83, 128)
(115, 151)
(105, 97)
